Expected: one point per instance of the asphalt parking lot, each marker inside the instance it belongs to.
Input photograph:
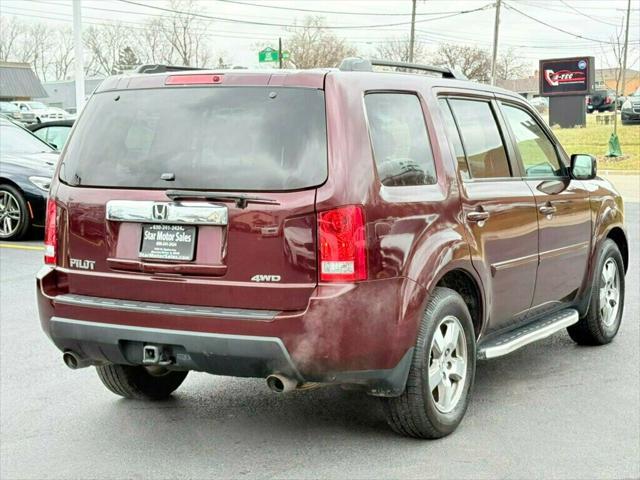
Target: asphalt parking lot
(550, 410)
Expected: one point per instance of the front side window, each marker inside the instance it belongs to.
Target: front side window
(538, 154)
(401, 146)
(483, 144)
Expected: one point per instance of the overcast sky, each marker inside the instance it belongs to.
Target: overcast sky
(239, 42)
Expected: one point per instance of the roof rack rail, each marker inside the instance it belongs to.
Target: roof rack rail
(158, 68)
(356, 64)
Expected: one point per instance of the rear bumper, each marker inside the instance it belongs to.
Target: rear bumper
(344, 336)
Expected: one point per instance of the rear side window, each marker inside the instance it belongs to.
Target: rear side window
(399, 138)
(218, 138)
(453, 135)
(486, 154)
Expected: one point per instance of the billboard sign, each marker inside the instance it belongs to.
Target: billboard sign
(567, 76)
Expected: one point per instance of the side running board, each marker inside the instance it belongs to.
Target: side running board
(532, 332)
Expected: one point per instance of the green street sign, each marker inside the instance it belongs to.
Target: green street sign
(271, 55)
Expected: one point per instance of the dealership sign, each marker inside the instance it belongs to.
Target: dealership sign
(567, 76)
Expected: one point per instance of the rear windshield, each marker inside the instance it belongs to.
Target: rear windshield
(218, 138)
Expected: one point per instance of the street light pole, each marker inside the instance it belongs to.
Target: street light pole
(494, 57)
(77, 47)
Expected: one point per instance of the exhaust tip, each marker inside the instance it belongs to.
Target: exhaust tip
(275, 384)
(70, 360)
(74, 361)
(280, 384)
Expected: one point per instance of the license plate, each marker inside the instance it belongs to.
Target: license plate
(168, 242)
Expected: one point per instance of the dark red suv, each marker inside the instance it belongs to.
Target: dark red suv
(380, 230)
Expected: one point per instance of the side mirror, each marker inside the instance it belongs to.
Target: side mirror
(583, 167)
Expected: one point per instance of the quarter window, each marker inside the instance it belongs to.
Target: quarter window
(399, 138)
(483, 144)
(538, 154)
(454, 137)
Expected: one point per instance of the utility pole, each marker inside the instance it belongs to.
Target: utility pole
(622, 78)
(77, 48)
(413, 30)
(494, 57)
(280, 52)
(626, 46)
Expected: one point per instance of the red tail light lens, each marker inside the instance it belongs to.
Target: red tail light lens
(51, 234)
(341, 236)
(607, 100)
(194, 79)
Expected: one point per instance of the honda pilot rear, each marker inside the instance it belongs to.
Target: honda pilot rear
(183, 233)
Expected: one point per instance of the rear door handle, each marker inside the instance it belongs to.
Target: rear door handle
(477, 216)
(547, 210)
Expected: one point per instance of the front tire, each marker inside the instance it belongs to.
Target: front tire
(601, 323)
(140, 382)
(14, 216)
(442, 371)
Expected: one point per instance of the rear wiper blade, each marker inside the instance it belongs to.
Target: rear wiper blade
(240, 200)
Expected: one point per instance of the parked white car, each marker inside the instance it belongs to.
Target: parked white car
(42, 112)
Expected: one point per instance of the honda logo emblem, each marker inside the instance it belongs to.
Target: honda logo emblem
(160, 211)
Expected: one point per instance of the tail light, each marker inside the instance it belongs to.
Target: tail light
(607, 100)
(194, 79)
(51, 234)
(341, 236)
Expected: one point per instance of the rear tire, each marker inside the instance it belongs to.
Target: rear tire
(138, 382)
(442, 371)
(601, 323)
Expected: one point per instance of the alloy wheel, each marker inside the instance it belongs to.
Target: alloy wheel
(447, 364)
(10, 214)
(609, 293)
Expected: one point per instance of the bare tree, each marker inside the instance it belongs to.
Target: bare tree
(155, 46)
(186, 34)
(37, 48)
(314, 45)
(11, 31)
(105, 43)
(398, 50)
(62, 56)
(473, 62)
(509, 66)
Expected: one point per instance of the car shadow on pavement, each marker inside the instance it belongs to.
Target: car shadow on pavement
(209, 404)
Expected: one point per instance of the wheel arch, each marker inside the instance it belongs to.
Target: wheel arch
(8, 181)
(619, 237)
(465, 282)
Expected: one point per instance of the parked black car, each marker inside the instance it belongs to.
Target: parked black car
(54, 133)
(26, 167)
(604, 101)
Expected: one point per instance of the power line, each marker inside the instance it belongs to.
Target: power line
(587, 16)
(559, 9)
(601, 8)
(284, 25)
(332, 12)
(510, 7)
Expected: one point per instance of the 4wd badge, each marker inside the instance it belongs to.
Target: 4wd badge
(266, 278)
